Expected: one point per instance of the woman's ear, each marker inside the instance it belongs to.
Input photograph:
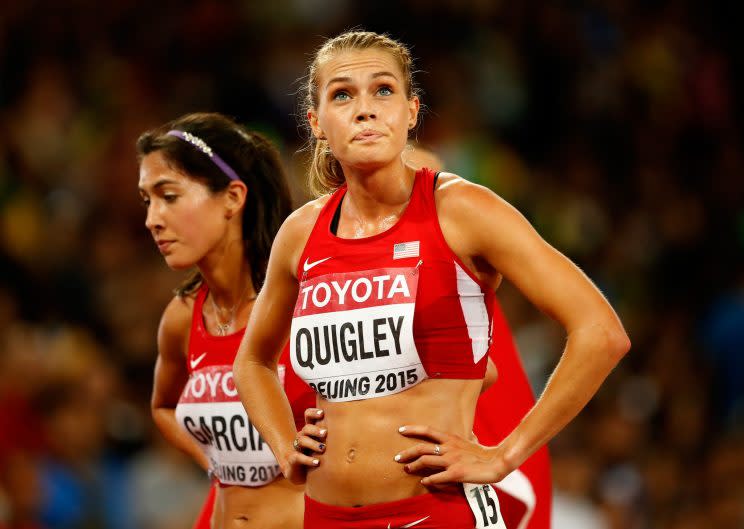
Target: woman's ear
(312, 118)
(413, 110)
(235, 197)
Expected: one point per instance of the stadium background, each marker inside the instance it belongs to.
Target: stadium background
(615, 128)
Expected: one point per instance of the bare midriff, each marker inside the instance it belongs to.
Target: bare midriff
(358, 467)
(276, 505)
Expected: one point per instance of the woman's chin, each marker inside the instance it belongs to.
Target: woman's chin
(372, 163)
(177, 264)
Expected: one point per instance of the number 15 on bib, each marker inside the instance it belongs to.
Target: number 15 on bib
(485, 506)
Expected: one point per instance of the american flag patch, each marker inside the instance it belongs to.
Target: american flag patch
(406, 249)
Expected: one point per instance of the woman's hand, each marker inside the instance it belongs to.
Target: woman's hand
(446, 458)
(308, 445)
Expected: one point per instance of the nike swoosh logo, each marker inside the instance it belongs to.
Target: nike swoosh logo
(196, 361)
(307, 265)
(412, 523)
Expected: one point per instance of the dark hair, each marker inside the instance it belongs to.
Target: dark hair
(325, 174)
(251, 156)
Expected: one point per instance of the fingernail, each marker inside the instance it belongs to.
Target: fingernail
(323, 431)
(397, 458)
(321, 446)
(402, 429)
(319, 412)
(316, 462)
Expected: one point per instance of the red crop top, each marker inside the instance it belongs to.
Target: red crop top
(211, 411)
(379, 314)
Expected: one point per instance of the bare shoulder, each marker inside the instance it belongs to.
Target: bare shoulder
(446, 179)
(302, 220)
(456, 195)
(175, 325)
(476, 222)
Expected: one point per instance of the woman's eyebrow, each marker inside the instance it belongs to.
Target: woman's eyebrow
(348, 79)
(384, 74)
(338, 80)
(160, 183)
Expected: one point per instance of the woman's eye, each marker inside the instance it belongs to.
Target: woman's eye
(170, 198)
(385, 91)
(145, 203)
(341, 96)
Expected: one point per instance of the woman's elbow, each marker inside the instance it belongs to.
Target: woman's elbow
(159, 415)
(618, 343)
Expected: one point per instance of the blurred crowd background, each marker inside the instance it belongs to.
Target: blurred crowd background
(615, 127)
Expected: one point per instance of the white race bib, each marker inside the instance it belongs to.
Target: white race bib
(352, 334)
(210, 410)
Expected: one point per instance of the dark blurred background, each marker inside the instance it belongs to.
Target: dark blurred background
(615, 128)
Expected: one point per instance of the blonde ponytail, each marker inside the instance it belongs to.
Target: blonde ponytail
(324, 174)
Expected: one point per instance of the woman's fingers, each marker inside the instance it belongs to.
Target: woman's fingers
(453, 458)
(464, 473)
(426, 462)
(449, 475)
(426, 432)
(315, 431)
(300, 459)
(305, 442)
(312, 415)
(311, 437)
(418, 450)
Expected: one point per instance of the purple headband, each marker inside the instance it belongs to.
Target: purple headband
(206, 149)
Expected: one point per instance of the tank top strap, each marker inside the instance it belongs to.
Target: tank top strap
(322, 226)
(423, 198)
(329, 209)
(197, 322)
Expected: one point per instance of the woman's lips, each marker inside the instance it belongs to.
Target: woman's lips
(368, 135)
(164, 245)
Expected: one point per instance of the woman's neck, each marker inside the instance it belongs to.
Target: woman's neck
(227, 273)
(378, 193)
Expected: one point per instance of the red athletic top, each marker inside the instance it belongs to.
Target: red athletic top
(377, 315)
(210, 409)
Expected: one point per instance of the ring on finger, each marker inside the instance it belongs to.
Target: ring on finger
(437, 450)
(296, 444)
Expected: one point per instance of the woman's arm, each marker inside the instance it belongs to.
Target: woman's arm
(255, 368)
(596, 340)
(171, 376)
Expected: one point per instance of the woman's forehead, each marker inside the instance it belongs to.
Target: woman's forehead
(348, 63)
(155, 168)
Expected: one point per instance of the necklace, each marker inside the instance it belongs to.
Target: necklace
(224, 327)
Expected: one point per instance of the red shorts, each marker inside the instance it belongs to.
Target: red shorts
(439, 510)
